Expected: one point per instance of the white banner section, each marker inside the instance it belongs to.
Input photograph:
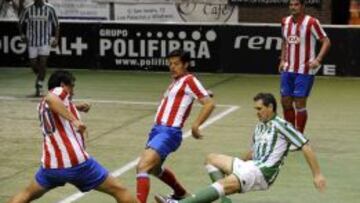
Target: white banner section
(176, 12)
(81, 9)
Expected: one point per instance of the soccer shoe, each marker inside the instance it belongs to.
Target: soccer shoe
(177, 197)
(163, 199)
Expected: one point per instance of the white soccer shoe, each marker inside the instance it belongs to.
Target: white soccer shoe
(163, 199)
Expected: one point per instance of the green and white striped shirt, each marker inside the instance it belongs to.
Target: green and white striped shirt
(270, 145)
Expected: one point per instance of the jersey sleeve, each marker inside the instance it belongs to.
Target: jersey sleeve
(61, 93)
(292, 135)
(196, 89)
(53, 17)
(317, 30)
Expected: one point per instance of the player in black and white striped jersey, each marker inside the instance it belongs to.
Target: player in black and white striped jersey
(37, 24)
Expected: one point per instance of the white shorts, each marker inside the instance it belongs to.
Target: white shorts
(250, 176)
(34, 52)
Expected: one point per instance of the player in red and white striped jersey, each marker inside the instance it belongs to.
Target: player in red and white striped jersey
(299, 62)
(166, 134)
(64, 158)
(63, 145)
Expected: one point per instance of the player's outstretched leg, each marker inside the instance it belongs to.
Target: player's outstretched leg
(169, 178)
(149, 160)
(225, 186)
(115, 189)
(31, 192)
(215, 174)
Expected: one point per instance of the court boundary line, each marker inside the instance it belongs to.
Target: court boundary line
(110, 101)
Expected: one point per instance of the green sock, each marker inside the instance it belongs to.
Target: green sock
(215, 174)
(205, 195)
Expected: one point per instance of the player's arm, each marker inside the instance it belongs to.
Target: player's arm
(282, 55)
(325, 47)
(321, 36)
(319, 179)
(21, 24)
(55, 23)
(249, 154)
(208, 106)
(56, 105)
(57, 35)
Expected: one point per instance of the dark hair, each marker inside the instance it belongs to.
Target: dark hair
(267, 99)
(184, 55)
(302, 2)
(60, 76)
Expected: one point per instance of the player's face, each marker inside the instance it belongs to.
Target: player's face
(177, 67)
(296, 7)
(69, 88)
(264, 113)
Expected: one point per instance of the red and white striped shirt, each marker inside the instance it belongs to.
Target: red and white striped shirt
(176, 104)
(63, 146)
(301, 37)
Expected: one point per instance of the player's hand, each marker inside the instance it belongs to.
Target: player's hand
(320, 182)
(195, 132)
(54, 43)
(314, 64)
(281, 66)
(83, 107)
(80, 126)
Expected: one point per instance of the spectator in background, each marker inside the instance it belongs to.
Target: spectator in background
(37, 24)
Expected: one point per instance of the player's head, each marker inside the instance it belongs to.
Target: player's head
(265, 106)
(62, 78)
(296, 7)
(179, 61)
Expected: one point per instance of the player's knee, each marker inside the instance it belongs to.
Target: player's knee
(300, 104)
(142, 166)
(286, 104)
(210, 158)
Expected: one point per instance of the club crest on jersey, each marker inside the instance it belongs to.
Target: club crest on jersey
(293, 39)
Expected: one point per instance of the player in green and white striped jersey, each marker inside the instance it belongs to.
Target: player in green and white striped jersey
(261, 165)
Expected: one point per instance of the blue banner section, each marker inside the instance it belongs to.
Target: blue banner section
(214, 48)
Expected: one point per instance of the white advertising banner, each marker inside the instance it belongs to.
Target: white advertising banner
(176, 12)
(81, 9)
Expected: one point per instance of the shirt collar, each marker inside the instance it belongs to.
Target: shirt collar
(299, 19)
(272, 118)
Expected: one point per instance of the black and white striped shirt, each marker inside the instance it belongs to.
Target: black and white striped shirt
(40, 21)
